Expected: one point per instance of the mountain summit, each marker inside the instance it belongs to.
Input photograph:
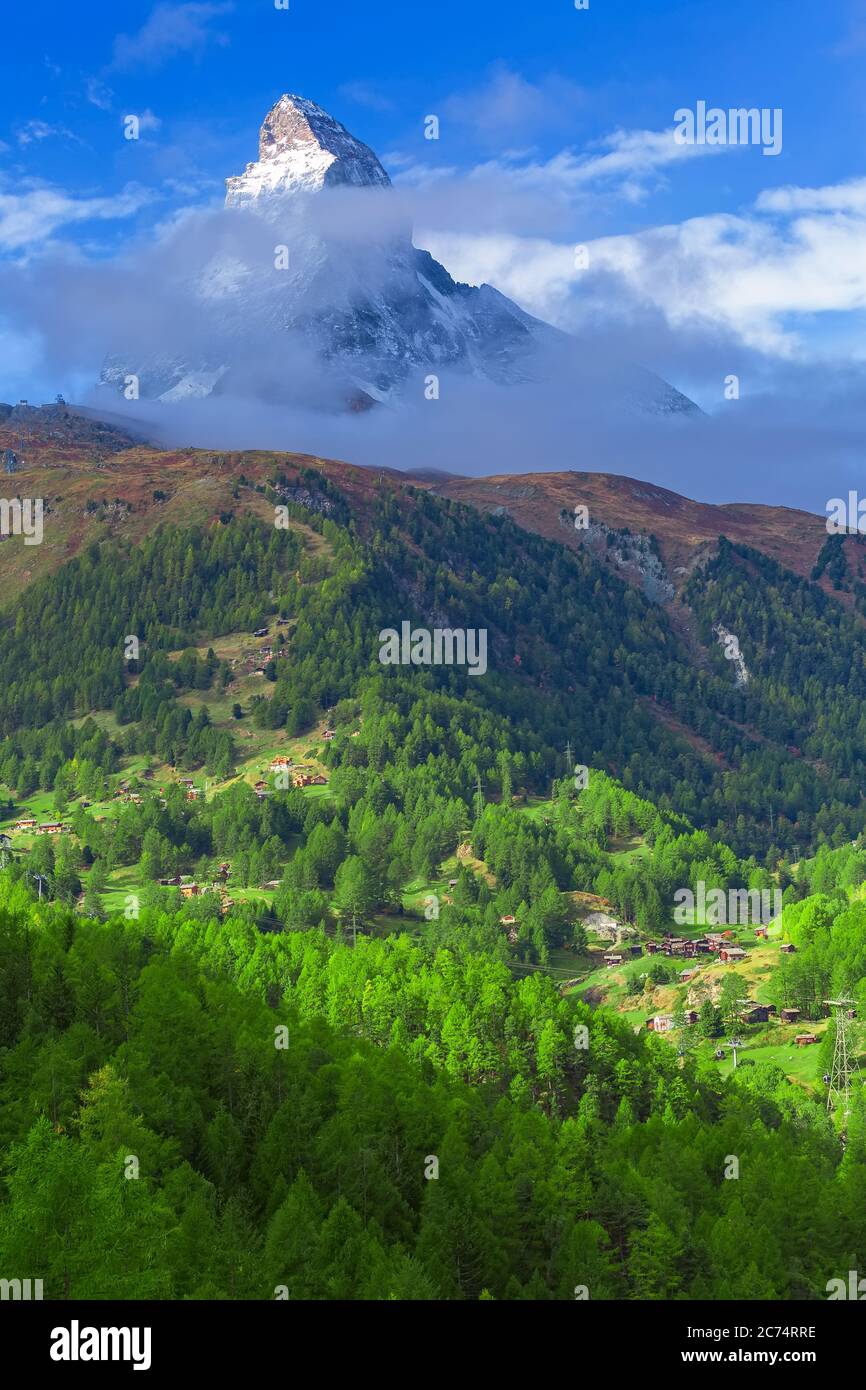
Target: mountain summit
(307, 290)
(302, 149)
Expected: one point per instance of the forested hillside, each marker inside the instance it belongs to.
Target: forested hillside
(356, 1027)
(302, 1158)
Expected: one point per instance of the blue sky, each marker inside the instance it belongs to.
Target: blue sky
(555, 130)
(209, 71)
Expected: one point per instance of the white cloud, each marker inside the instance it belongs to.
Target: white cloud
(98, 94)
(34, 131)
(29, 219)
(148, 121)
(625, 153)
(169, 31)
(20, 355)
(760, 276)
(839, 197)
(626, 162)
(507, 103)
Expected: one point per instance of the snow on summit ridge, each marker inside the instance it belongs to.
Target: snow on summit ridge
(302, 148)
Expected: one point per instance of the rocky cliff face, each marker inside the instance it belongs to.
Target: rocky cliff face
(303, 149)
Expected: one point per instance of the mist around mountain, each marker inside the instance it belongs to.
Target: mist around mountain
(301, 316)
(307, 290)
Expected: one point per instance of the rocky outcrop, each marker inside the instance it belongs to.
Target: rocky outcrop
(302, 149)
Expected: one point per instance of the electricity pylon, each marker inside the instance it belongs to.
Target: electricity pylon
(844, 1062)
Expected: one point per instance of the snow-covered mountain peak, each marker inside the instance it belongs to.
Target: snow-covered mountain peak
(326, 301)
(303, 149)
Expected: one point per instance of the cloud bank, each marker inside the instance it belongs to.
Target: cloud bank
(702, 302)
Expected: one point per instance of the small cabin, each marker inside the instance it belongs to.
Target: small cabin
(788, 949)
(805, 1039)
(756, 1013)
(661, 1023)
(731, 954)
(789, 1015)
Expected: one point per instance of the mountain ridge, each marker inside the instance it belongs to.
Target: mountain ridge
(336, 308)
(76, 473)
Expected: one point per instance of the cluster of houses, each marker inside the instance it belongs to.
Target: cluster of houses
(190, 889)
(256, 662)
(309, 779)
(125, 795)
(302, 776)
(192, 791)
(750, 1013)
(51, 827)
(720, 944)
